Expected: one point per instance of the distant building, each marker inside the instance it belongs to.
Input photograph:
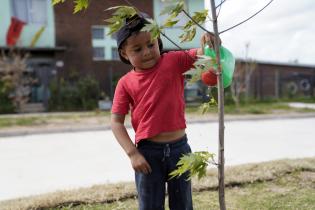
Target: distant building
(36, 14)
(269, 80)
(273, 80)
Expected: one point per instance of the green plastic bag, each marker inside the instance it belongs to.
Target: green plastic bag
(227, 63)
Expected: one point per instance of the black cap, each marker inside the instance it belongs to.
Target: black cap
(131, 26)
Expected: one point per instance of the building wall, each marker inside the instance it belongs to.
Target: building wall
(271, 81)
(47, 38)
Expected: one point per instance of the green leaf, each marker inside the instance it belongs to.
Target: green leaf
(153, 28)
(115, 24)
(54, 2)
(198, 17)
(188, 35)
(206, 106)
(173, 9)
(118, 18)
(201, 16)
(115, 27)
(125, 11)
(113, 19)
(202, 64)
(204, 60)
(188, 25)
(169, 23)
(195, 163)
(213, 102)
(80, 5)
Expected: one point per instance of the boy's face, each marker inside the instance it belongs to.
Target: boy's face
(141, 52)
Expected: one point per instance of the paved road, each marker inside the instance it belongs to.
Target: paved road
(37, 164)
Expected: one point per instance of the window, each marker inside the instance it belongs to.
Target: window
(115, 55)
(181, 16)
(104, 46)
(98, 53)
(98, 33)
(30, 11)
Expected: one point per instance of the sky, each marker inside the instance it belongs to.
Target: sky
(284, 32)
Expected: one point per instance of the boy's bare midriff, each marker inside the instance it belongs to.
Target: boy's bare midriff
(168, 136)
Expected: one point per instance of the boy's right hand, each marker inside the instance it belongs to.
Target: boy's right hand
(139, 163)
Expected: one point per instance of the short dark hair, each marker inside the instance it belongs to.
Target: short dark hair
(133, 25)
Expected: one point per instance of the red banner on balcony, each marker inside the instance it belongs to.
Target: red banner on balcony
(14, 31)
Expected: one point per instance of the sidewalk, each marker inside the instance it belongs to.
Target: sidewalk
(99, 123)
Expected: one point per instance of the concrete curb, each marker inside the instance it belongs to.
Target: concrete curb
(81, 128)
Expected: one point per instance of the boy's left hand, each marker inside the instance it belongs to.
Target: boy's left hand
(207, 38)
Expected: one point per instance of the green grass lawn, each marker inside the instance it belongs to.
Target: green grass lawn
(252, 108)
(257, 108)
(75, 117)
(31, 120)
(290, 192)
(25, 121)
(274, 185)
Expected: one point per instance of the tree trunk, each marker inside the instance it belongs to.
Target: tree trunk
(221, 110)
(247, 81)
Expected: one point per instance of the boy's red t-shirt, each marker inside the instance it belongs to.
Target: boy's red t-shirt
(155, 96)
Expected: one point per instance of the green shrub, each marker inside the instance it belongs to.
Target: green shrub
(73, 96)
(89, 92)
(6, 105)
(228, 99)
(69, 98)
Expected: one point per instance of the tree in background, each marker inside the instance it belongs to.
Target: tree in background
(15, 77)
(242, 79)
(249, 68)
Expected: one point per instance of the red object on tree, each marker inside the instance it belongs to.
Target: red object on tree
(209, 78)
(14, 31)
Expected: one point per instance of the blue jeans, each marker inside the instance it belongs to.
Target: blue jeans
(163, 158)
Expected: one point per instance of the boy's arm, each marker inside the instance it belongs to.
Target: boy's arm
(138, 162)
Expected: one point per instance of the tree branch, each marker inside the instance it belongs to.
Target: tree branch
(219, 8)
(220, 4)
(247, 18)
(196, 22)
(169, 39)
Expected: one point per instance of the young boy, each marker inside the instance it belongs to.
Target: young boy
(154, 92)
